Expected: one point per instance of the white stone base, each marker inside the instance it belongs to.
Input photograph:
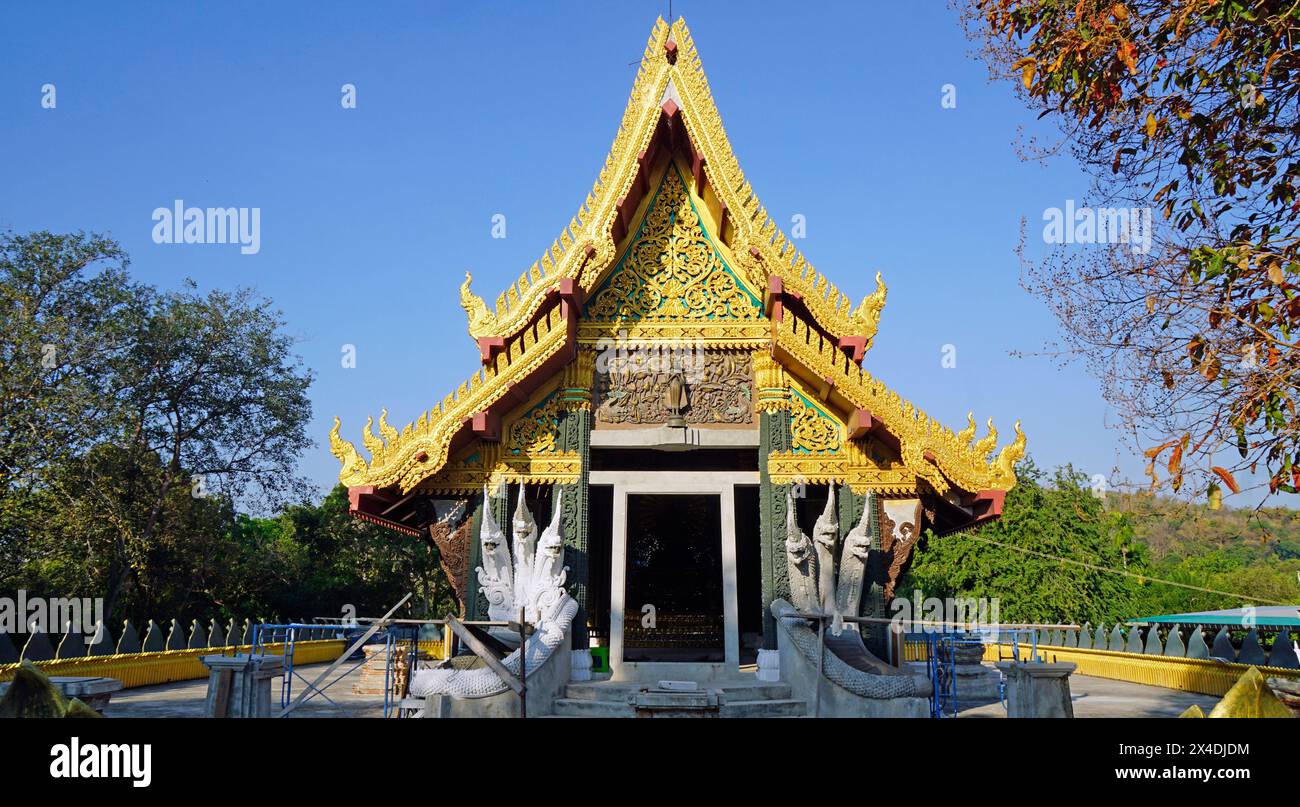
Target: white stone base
(580, 667)
(769, 665)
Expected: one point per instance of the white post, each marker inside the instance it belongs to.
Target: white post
(618, 580)
(730, 605)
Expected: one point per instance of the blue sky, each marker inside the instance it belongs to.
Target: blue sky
(371, 216)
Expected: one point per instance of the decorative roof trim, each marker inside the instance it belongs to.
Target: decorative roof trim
(586, 246)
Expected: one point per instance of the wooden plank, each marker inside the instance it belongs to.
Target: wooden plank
(482, 651)
(338, 662)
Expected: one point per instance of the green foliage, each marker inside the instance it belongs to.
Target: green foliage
(1186, 109)
(1061, 520)
(1116, 552)
(315, 559)
(1251, 553)
(135, 423)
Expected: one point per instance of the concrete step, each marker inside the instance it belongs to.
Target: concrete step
(783, 707)
(574, 707)
(742, 691)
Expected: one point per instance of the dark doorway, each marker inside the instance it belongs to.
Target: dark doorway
(749, 573)
(673, 594)
(600, 517)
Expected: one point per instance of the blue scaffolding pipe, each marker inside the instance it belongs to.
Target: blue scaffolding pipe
(941, 662)
(292, 632)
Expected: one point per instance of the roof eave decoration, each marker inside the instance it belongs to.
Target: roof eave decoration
(943, 458)
(403, 459)
(671, 82)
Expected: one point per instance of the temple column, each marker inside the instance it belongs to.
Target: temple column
(774, 435)
(575, 436)
(475, 602)
(772, 401)
(875, 635)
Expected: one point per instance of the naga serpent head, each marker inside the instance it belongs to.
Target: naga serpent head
(796, 543)
(523, 523)
(552, 543)
(827, 529)
(491, 534)
(857, 543)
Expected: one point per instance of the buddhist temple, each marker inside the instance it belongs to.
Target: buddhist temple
(681, 394)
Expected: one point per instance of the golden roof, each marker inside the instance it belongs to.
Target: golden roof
(533, 333)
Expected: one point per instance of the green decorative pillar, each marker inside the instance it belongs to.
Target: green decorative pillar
(874, 634)
(475, 602)
(774, 435)
(575, 435)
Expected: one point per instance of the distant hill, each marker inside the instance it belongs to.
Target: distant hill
(1061, 554)
(1253, 553)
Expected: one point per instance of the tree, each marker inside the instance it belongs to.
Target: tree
(67, 309)
(127, 452)
(120, 402)
(215, 395)
(1188, 107)
(1015, 559)
(347, 561)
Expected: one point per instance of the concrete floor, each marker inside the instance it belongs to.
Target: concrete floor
(1104, 697)
(186, 698)
(1092, 697)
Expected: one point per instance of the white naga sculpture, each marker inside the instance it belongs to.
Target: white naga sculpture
(813, 583)
(816, 588)
(532, 578)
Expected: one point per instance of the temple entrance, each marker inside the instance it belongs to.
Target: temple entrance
(673, 547)
(673, 609)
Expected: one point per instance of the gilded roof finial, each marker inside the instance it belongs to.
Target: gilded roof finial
(354, 466)
(480, 319)
(868, 311)
(1009, 456)
(967, 434)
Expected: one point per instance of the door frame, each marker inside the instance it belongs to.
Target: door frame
(720, 483)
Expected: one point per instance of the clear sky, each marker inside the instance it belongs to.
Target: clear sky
(370, 216)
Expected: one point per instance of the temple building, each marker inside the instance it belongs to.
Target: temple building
(677, 376)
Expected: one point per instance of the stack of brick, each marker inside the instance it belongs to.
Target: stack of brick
(371, 680)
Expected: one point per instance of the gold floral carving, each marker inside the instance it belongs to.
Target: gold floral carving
(855, 466)
(537, 431)
(672, 270)
(811, 429)
(490, 464)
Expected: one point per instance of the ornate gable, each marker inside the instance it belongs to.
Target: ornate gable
(673, 270)
(673, 251)
(671, 107)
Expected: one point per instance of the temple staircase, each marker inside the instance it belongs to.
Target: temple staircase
(740, 698)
